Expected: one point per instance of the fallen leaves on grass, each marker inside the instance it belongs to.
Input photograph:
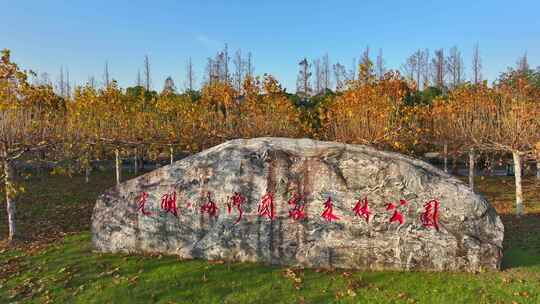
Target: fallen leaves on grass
(523, 294)
(294, 276)
(109, 273)
(27, 289)
(133, 280)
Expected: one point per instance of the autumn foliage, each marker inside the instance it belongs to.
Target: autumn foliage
(373, 113)
(93, 123)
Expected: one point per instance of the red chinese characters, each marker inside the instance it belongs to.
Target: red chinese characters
(266, 206)
(236, 200)
(210, 206)
(168, 203)
(397, 216)
(328, 214)
(361, 209)
(297, 213)
(430, 216)
(142, 203)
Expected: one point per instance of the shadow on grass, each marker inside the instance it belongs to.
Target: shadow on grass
(522, 241)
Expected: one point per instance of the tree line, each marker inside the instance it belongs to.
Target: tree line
(387, 109)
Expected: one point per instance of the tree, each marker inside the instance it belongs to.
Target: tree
(340, 75)
(438, 69)
(352, 71)
(269, 113)
(250, 69)
(43, 79)
(523, 64)
(416, 68)
(61, 87)
(190, 75)
(139, 79)
(68, 85)
(454, 66)
(104, 118)
(226, 59)
(517, 80)
(169, 87)
(366, 74)
(374, 114)
(106, 77)
(513, 126)
(303, 88)
(217, 68)
(426, 70)
(476, 65)
(147, 77)
(239, 70)
(460, 117)
(211, 75)
(29, 121)
(326, 74)
(92, 81)
(380, 69)
(442, 129)
(317, 81)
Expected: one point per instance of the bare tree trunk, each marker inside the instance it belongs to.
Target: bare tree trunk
(517, 175)
(455, 159)
(41, 162)
(136, 162)
(142, 154)
(118, 166)
(171, 149)
(87, 174)
(471, 169)
(87, 169)
(445, 157)
(10, 202)
(538, 166)
(489, 164)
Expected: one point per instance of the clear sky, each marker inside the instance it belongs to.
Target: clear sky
(82, 35)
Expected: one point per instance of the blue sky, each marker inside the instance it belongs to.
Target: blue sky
(82, 35)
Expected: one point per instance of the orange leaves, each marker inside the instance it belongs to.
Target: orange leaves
(219, 95)
(489, 118)
(271, 85)
(219, 114)
(370, 113)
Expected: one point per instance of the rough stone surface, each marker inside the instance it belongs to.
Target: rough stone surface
(469, 239)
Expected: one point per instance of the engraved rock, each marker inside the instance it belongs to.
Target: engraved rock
(468, 236)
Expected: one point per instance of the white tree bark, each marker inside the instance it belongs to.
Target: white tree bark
(517, 174)
(471, 169)
(87, 174)
(172, 154)
(538, 166)
(445, 157)
(135, 162)
(87, 169)
(10, 202)
(118, 166)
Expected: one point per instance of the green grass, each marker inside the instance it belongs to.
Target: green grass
(65, 270)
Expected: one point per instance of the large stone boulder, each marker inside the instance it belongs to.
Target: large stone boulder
(417, 217)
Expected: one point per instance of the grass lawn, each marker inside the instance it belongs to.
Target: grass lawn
(55, 264)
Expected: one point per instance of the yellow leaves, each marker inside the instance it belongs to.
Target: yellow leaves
(369, 112)
(489, 117)
(5, 56)
(271, 85)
